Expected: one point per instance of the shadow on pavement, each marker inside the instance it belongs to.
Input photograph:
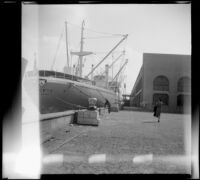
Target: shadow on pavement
(149, 121)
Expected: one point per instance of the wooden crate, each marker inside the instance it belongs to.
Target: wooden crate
(88, 117)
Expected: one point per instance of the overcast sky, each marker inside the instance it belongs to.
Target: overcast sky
(151, 28)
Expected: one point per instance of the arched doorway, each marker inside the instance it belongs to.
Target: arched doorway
(184, 97)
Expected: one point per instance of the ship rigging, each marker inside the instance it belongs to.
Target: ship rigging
(82, 53)
(66, 91)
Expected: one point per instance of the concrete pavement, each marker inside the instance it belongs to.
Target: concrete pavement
(124, 142)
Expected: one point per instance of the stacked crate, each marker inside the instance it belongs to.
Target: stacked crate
(102, 111)
(88, 117)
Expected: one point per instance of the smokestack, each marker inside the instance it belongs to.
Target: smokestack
(92, 73)
(106, 72)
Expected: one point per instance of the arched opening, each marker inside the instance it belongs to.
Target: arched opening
(182, 100)
(184, 84)
(161, 83)
(184, 103)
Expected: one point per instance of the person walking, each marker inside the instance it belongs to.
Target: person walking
(107, 105)
(157, 109)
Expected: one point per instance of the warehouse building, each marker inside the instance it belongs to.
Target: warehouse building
(165, 76)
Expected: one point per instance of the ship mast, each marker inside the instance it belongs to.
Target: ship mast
(81, 50)
(67, 49)
(81, 53)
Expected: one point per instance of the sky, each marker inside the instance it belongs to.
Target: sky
(151, 28)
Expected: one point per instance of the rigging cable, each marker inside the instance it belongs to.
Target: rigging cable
(99, 37)
(78, 106)
(104, 32)
(88, 29)
(104, 52)
(58, 45)
(81, 91)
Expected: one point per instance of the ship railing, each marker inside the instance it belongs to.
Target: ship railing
(31, 74)
(46, 73)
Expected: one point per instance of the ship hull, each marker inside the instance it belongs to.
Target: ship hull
(57, 95)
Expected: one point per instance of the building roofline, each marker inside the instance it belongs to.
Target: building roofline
(166, 54)
(137, 79)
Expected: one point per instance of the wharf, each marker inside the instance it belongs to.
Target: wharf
(124, 142)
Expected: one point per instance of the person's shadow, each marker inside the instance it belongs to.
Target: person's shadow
(149, 121)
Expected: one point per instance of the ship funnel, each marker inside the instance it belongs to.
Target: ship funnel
(106, 72)
(92, 76)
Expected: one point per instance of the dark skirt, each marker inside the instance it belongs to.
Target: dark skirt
(156, 111)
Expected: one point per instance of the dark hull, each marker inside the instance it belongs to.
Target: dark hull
(57, 95)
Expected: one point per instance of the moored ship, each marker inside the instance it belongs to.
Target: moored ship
(60, 91)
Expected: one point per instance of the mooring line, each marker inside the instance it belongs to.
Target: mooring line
(66, 141)
(79, 106)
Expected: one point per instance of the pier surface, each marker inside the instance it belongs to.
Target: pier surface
(124, 142)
